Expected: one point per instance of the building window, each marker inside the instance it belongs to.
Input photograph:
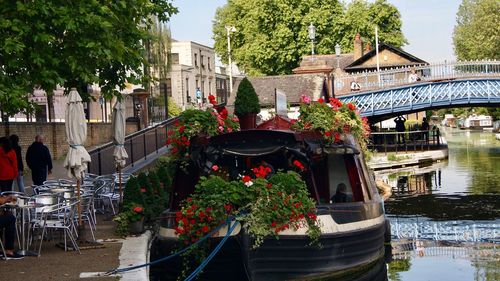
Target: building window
(203, 86)
(197, 84)
(202, 64)
(208, 62)
(175, 58)
(210, 87)
(196, 60)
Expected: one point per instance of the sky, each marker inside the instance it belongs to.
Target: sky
(427, 25)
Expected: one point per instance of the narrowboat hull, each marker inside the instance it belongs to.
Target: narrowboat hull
(290, 257)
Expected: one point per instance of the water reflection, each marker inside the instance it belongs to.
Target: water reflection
(437, 211)
(441, 260)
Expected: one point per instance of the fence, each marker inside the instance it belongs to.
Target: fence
(429, 72)
(405, 141)
(139, 146)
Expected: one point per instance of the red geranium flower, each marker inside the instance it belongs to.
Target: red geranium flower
(138, 209)
(205, 229)
(298, 164)
(246, 178)
(215, 168)
(351, 106)
(321, 100)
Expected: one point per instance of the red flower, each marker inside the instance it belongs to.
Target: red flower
(337, 137)
(205, 229)
(227, 207)
(192, 222)
(178, 214)
(321, 100)
(201, 215)
(274, 224)
(299, 165)
(189, 200)
(215, 168)
(335, 102)
(246, 178)
(138, 209)
(351, 106)
(269, 185)
(143, 190)
(181, 129)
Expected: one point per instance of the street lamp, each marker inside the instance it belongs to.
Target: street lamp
(337, 53)
(312, 36)
(230, 29)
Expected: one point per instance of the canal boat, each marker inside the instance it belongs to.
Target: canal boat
(477, 122)
(353, 230)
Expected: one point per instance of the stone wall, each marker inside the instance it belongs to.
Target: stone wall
(55, 136)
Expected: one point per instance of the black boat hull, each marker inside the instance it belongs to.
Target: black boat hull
(290, 257)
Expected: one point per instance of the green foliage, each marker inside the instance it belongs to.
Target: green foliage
(265, 207)
(173, 108)
(272, 36)
(195, 122)
(246, 100)
(332, 120)
(362, 17)
(476, 33)
(50, 43)
(394, 157)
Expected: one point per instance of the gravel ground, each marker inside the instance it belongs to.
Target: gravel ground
(56, 264)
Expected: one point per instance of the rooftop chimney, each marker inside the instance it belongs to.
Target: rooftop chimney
(358, 47)
(368, 47)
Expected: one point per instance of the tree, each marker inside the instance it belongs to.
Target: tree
(49, 43)
(362, 17)
(476, 35)
(272, 36)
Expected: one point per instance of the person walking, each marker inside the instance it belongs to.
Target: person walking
(400, 128)
(199, 97)
(425, 128)
(39, 161)
(8, 165)
(14, 140)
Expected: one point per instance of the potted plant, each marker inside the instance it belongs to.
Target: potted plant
(130, 220)
(246, 105)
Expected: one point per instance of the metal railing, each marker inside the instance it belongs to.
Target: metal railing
(405, 141)
(369, 80)
(138, 145)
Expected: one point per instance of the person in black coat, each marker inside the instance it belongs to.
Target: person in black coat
(14, 140)
(39, 161)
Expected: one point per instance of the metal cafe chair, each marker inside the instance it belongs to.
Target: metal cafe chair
(107, 196)
(59, 217)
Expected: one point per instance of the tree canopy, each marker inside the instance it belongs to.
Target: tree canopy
(476, 35)
(53, 42)
(272, 36)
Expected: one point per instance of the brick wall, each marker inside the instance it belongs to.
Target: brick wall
(55, 136)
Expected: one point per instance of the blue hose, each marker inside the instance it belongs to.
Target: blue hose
(125, 269)
(213, 253)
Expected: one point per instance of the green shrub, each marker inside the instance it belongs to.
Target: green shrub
(246, 99)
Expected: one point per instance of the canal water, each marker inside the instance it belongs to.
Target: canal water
(445, 218)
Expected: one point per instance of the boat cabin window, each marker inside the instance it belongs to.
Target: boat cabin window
(344, 179)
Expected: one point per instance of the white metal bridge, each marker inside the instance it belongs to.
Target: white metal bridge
(458, 231)
(388, 92)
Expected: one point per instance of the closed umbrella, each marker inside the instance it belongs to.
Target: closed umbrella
(120, 154)
(76, 133)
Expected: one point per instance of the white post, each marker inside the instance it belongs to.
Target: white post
(230, 29)
(376, 50)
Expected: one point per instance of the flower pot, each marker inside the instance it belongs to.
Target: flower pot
(248, 121)
(137, 227)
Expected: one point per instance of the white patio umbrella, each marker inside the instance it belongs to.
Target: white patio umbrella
(76, 133)
(120, 154)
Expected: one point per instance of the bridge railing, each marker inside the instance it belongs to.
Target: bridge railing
(405, 141)
(369, 80)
